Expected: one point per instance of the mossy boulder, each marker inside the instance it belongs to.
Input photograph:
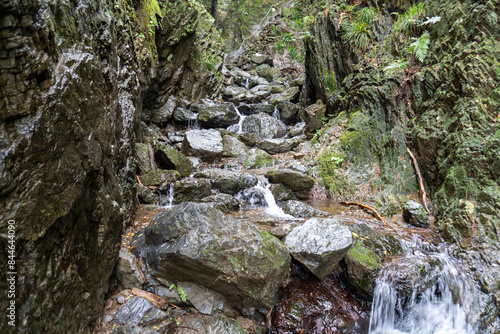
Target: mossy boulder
(300, 183)
(196, 242)
(290, 95)
(191, 189)
(170, 158)
(301, 210)
(281, 193)
(228, 182)
(142, 158)
(257, 158)
(233, 147)
(159, 177)
(224, 202)
(146, 195)
(415, 214)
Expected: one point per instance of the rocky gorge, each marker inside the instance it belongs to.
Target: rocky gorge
(160, 183)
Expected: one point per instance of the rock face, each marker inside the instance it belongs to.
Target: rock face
(264, 126)
(203, 144)
(319, 244)
(415, 214)
(70, 90)
(313, 116)
(196, 242)
(300, 183)
(219, 115)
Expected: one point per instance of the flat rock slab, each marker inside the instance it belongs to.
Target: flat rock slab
(204, 144)
(319, 244)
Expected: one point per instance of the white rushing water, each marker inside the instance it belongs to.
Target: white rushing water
(276, 114)
(169, 200)
(240, 122)
(440, 309)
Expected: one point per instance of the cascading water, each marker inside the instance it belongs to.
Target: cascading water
(240, 122)
(438, 309)
(262, 195)
(276, 114)
(168, 200)
(193, 124)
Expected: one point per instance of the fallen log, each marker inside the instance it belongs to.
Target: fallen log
(370, 209)
(154, 299)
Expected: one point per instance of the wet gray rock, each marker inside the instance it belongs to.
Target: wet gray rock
(183, 115)
(298, 129)
(253, 196)
(259, 58)
(210, 325)
(299, 81)
(251, 109)
(264, 126)
(198, 243)
(142, 158)
(300, 183)
(280, 145)
(139, 311)
(164, 113)
(301, 210)
(257, 158)
(415, 214)
(127, 270)
(218, 115)
(191, 189)
(233, 91)
(319, 244)
(233, 147)
(268, 72)
(195, 162)
(203, 144)
(204, 300)
(288, 112)
(281, 193)
(229, 182)
(170, 158)
(291, 94)
(224, 202)
(248, 138)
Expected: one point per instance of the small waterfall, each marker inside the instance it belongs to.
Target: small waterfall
(439, 309)
(193, 124)
(276, 114)
(247, 84)
(168, 200)
(262, 195)
(240, 122)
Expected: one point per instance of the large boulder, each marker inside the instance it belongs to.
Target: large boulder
(233, 147)
(139, 311)
(415, 214)
(170, 158)
(280, 145)
(300, 183)
(218, 115)
(257, 158)
(256, 108)
(146, 195)
(203, 144)
(191, 189)
(299, 209)
(264, 126)
(319, 244)
(183, 115)
(229, 182)
(223, 201)
(127, 270)
(198, 243)
(291, 94)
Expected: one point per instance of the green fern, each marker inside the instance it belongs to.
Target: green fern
(395, 67)
(420, 46)
(411, 19)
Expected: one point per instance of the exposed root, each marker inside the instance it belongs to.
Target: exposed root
(154, 299)
(370, 209)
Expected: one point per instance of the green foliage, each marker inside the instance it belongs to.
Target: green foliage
(357, 30)
(329, 81)
(420, 46)
(410, 20)
(396, 67)
(182, 294)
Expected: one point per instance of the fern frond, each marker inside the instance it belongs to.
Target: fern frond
(432, 20)
(420, 46)
(395, 67)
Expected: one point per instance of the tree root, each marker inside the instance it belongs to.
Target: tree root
(370, 209)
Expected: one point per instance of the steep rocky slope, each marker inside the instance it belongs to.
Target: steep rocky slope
(73, 77)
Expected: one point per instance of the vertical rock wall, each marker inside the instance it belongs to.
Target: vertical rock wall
(72, 74)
